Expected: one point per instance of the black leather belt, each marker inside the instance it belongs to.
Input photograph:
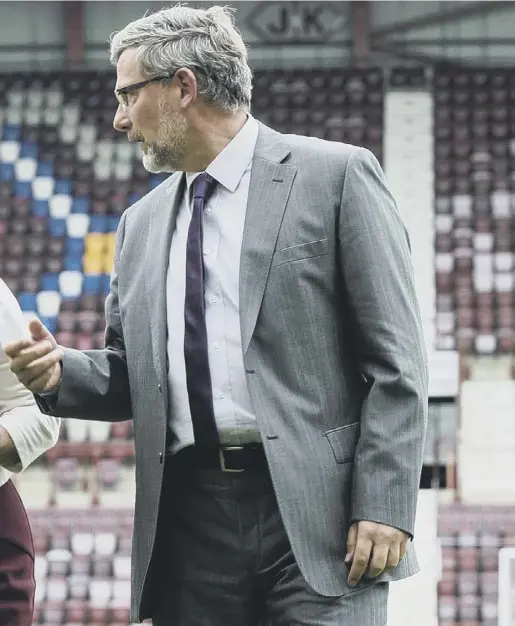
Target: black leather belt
(229, 459)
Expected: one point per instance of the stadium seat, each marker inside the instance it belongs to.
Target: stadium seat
(84, 341)
(77, 430)
(82, 543)
(70, 284)
(48, 303)
(65, 473)
(108, 473)
(100, 431)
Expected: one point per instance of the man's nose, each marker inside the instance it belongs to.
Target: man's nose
(121, 121)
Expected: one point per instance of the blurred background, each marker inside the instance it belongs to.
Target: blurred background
(429, 87)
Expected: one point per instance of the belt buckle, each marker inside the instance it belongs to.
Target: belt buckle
(222, 459)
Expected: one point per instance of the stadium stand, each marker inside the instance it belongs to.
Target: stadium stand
(473, 122)
(65, 179)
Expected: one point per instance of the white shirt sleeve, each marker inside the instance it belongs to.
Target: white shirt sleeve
(31, 431)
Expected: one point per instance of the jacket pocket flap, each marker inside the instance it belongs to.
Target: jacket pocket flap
(343, 441)
(301, 251)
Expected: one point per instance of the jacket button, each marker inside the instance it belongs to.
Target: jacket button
(159, 387)
(161, 457)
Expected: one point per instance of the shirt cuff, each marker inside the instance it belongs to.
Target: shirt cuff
(32, 432)
(49, 394)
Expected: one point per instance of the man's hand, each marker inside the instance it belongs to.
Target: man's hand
(36, 361)
(373, 548)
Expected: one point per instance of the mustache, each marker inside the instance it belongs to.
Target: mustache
(135, 138)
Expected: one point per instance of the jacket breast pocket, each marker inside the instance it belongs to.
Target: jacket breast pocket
(343, 441)
(300, 251)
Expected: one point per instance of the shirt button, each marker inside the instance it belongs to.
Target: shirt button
(216, 345)
(207, 211)
(214, 299)
(220, 394)
(207, 251)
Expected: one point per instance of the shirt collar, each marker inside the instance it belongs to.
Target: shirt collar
(230, 165)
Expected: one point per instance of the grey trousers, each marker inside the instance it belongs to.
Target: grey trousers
(226, 561)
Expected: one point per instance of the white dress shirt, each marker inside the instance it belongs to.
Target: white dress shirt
(223, 220)
(32, 432)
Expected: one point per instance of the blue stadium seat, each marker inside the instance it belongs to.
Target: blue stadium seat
(23, 189)
(72, 263)
(80, 205)
(112, 223)
(11, 132)
(57, 227)
(28, 150)
(6, 172)
(40, 208)
(106, 284)
(45, 168)
(49, 282)
(98, 224)
(27, 301)
(92, 284)
(75, 247)
(63, 186)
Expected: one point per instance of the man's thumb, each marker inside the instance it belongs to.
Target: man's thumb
(39, 332)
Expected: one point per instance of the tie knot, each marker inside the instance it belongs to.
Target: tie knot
(203, 187)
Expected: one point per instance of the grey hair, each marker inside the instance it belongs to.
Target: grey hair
(203, 40)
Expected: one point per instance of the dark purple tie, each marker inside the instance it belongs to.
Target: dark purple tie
(198, 376)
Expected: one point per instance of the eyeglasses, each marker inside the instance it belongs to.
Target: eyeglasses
(122, 93)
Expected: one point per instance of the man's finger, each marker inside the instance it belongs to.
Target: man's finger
(39, 384)
(378, 559)
(393, 557)
(15, 347)
(38, 367)
(30, 355)
(39, 332)
(360, 561)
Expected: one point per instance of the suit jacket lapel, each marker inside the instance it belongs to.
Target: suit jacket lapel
(270, 186)
(162, 216)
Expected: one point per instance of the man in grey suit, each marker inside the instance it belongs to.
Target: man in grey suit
(264, 336)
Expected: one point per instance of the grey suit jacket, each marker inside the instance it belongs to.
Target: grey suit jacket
(333, 352)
